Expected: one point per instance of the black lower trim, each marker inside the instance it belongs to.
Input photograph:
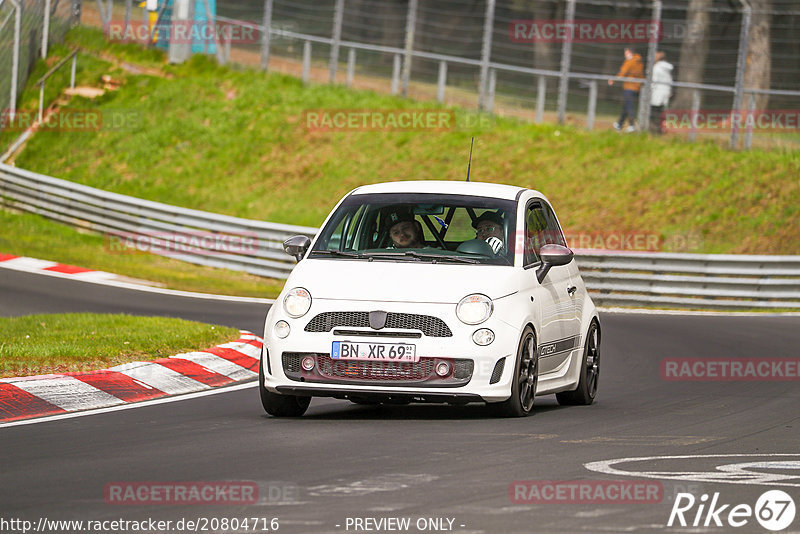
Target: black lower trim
(383, 396)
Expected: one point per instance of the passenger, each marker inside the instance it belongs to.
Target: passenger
(405, 231)
(489, 227)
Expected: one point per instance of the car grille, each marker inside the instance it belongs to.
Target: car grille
(429, 325)
(372, 372)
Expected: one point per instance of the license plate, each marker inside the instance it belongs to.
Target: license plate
(380, 352)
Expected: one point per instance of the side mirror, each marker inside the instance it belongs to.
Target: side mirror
(552, 256)
(297, 246)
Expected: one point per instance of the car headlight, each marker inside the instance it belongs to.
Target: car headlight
(297, 302)
(474, 309)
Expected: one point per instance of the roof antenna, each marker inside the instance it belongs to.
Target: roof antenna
(470, 156)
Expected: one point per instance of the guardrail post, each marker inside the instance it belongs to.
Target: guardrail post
(395, 74)
(265, 35)
(541, 88)
(741, 65)
(336, 38)
(486, 52)
(592, 104)
(693, 114)
(566, 51)
(442, 81)
(748, 133)
(644, 95)
(351, 66)
(411, 23)
(46, 28)
(491, 90)
(306, 60)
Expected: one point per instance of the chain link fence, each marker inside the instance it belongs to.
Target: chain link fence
(27, 28)
(519, 57)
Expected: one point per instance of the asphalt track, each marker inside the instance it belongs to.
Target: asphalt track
(345, 461)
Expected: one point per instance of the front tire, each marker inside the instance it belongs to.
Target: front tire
(526, 378)
(586, 391)
(278, 405)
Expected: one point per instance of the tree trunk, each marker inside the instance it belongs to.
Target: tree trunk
(758, 72)
(694, 50)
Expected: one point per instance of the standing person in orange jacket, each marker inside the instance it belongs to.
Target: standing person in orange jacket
(631, 68)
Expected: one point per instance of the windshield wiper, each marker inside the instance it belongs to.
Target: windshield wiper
(420, 256)
(338, 253)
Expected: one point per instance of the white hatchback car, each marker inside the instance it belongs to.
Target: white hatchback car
(432, 291)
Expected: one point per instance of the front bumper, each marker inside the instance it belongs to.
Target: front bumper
(479, 373)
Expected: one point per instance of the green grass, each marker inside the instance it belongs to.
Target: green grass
(231, 140)
(58, 343)
(37, 237)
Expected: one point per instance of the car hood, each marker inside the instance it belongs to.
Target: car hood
(392, 281)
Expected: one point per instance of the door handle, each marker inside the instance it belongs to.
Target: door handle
(571, 290)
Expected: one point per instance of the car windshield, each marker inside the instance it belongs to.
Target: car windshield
(420, 227)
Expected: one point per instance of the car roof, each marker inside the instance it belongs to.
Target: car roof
(451, 187)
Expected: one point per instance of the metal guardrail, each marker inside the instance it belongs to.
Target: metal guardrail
(705, 281)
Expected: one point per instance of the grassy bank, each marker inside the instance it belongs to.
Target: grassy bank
(234, 141)
(58, 343)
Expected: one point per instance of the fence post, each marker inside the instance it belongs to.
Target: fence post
(15, 58)
(41, 101)
(265, 35)
(75, 15)
(306, 60)
(442, 82)
(566, 51)
(351, 66)
(72, 71)
(486, 52)
(395, 74)
(592, 104)
(541, 88)
(741, 65)
(337, 37)
(490, 92)
(411, 23)
(693, 114)
(748, 133)
(228, 36)
(644, 95)
(46, 28)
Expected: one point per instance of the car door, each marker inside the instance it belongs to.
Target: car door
(554, 293)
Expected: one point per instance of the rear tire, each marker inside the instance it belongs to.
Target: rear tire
(586, 391)
(278, 405)
(526, 378)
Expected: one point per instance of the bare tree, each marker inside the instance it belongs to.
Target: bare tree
(694, 50)
(758, 72)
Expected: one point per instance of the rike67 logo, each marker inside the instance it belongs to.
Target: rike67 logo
(774, 510)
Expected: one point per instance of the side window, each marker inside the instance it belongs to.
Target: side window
(541, 228)
(346, 232)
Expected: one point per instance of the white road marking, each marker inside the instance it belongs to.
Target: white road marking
(726, 474)
(27, 264)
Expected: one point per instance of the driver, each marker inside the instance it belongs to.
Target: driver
(404, 230)
(489, 227)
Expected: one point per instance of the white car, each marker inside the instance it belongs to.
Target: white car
(487, 305)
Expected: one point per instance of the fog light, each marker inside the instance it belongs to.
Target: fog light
(483, 336)
(282, 329)
(308, 363)
(442, 369)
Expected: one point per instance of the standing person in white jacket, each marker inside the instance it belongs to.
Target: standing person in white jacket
(660, 91)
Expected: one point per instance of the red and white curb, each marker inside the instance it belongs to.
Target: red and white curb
(36, 396)
(22, 263)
